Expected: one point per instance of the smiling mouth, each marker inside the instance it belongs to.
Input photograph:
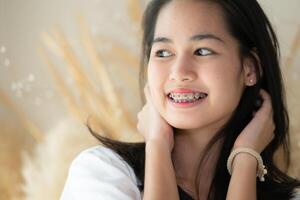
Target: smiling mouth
(186, 98)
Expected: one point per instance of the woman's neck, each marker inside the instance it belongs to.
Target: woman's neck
(186, 156)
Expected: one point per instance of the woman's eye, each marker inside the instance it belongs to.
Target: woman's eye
(162, 53)
(203, 52)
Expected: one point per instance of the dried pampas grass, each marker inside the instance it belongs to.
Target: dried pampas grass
(14, 140)
(12, 143)
(45, 170)
(291, 74)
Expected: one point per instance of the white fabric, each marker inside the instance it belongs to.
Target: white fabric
(297, 197)
(99, 173)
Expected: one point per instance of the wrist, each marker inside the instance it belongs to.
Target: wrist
(244, 161)
(158, 145)
(246, 145)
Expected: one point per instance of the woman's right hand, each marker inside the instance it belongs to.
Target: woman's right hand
(152, 126)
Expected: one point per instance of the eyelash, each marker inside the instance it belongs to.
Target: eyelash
(159, 52)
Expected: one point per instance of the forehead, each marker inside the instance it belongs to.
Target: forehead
(189, 17)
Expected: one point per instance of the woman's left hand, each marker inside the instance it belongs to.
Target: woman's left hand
(260, 130)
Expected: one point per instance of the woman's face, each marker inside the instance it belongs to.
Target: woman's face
(195, 73)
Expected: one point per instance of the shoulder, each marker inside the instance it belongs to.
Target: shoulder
(100, 157)
(100, 172)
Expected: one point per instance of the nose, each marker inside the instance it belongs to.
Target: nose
(182, 70)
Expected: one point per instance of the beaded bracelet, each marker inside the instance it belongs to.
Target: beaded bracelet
(261, 168)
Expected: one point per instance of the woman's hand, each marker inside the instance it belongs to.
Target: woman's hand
(260, 130)
(256, 135)
(151, 124)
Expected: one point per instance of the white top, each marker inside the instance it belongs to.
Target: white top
(99, 173)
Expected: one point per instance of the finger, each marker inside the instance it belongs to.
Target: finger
(265, 112)
(266, 99)
(264, 94)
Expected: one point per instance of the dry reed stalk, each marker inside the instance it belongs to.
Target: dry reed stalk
(74, 65)
(33, 130)
(82, 82)
(51, 44)
(135, 11)
(107, 85)
(127, 57)
(91, 101)
(46, 168)
(106, 82)
(61, 86)
(108, 125)
(294, 49)
(118, 52)
(12, 144)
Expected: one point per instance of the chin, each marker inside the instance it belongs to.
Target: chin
(183, 124)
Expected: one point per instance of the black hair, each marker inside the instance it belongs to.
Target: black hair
(247, 23)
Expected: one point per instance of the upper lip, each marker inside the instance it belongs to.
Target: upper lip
(184, 90)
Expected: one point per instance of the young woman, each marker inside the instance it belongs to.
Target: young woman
(214, 117)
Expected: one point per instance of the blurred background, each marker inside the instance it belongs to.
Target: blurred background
(64, 64)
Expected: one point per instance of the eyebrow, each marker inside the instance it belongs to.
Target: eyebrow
(193, 38)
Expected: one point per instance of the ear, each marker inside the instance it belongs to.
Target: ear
(249, 68)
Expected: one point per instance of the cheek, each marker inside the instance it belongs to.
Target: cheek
(225, 85)
(226, 73)
(156, 80)
(158, 72)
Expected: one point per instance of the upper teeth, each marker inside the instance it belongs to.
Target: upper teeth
(187, 96)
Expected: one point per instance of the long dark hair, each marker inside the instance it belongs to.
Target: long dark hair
(247, 22)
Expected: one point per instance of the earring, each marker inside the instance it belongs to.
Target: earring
(251, 82)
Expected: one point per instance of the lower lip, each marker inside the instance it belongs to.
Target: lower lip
(186, 104)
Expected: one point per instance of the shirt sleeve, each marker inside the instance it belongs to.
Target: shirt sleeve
(99, 174)
(296, 196)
